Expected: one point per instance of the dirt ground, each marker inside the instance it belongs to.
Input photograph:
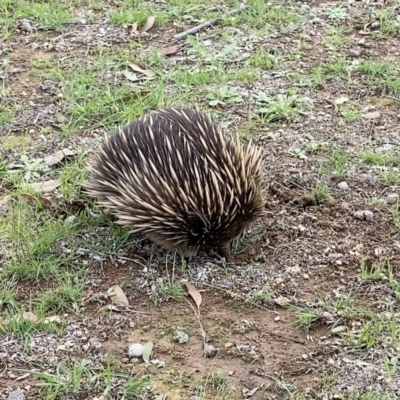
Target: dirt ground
(310, 307)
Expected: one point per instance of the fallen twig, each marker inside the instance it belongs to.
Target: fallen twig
(208, 23)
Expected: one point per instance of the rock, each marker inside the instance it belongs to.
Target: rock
(180, 337)
(392, 198)
(368, 215)
(135, 350)
(354, 53)
(375, 25)
(343, 186)
(364, 214)
(16, 395)
(316, 21)
(209, 350)
(26, 26)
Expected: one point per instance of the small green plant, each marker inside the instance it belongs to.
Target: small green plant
(321, 193)
(82, 379)
(164, 291)
(338, 160)
(372, 272)
(263, 296)
(30, 168)
(336, 13)
(265, 58)
(218, 381)
(305, 317)
(282, 106)
(390, 177)
(224, 96)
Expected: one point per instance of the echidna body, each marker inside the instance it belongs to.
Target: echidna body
(176, 178)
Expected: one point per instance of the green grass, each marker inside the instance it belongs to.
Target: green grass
(83, 378)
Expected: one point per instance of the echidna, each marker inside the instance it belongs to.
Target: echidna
(176, 178)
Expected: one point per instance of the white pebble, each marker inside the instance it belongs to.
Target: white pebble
(343, 186)
(135, 350)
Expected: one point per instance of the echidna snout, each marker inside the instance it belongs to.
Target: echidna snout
(174, 177)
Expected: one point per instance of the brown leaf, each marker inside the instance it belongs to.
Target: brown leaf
(148, 72)
(194, 294)
(372, 115)
(57, 157)
(30, 316)
(118, 296)
(149, 23)
(31, 198)
(171, 50)
(46, 186)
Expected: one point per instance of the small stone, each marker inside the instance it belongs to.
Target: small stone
(316, 21)
(368, 215)
(277, 318)
(331, 361)
(209, 350)
(354, 53)
(375, 25)
(359, 214)
(135, 350)
(26, 26)
(16, 395)
(392, 198)
(228, 345)
(180, 337)
(343, 186)
(158, 363)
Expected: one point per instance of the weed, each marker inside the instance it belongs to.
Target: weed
(305, 317)
(265, 58)
(30, 168)
(338, 160)
(164, 291)
(336, 13)
(218, 381)
(83, 378)
(321, 193)
(281, 106)
(224, 96)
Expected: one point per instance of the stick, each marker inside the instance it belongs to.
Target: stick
(206, 24)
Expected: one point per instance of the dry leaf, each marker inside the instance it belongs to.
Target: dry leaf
(30, 316)
(42, 199)
(372, 115)
(46, 186)
(149, 23)
(171, 50)
(147, 349)
(133, 28)
(148, 72)
(57, 157)
(194, 293)
(130, 76)
(118, 296)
